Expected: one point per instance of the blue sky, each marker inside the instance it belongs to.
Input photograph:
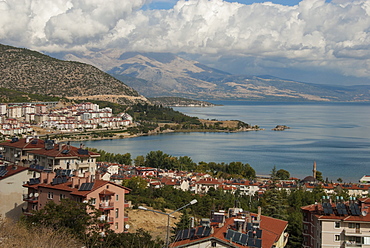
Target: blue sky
(317, 41)
(163, 4)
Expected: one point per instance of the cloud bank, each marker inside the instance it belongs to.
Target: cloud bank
(331, 36)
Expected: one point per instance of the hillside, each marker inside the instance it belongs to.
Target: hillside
(35, 73)
(170, 75)
(165, 74)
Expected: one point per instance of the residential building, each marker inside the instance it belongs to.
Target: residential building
(11, 190)
(337, 224)
(64, 156)
(236, 228)
(106, 196)
(15, 150)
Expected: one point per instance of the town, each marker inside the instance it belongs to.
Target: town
(19, 118)
(35, 171)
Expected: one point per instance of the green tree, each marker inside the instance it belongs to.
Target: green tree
(76, 218)
(139, 160)
(136, 184)
(283, 174)
(319, 176)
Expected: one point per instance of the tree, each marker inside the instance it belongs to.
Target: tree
(283, 174)
(319, 176)
(136, 184)
(139, 160)
(78, 219)
(340, 180)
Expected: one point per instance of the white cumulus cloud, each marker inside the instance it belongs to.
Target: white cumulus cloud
(312, 34)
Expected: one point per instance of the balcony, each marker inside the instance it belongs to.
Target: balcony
(125, 218)
(351, 244)
(127, 204)
(106, 206)
(26, 212)
(30, 199)
(105, 220)
(353, 232)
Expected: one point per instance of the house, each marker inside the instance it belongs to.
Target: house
(64, 156)
(15, 150)
(203, 185)
(11, 190)
(106, 196)
(236, 228)
(337, 224)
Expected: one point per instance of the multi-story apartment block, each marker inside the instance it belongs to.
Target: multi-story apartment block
(14, 111)
(15, 150)
(339, 224)
(11, 190)
(64, 156)
(3, 108)
(106, 196)
(236, 228)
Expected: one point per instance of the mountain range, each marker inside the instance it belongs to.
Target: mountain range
(165, 74)
(130, 77)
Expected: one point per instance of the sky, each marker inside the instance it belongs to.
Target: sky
(316, 41)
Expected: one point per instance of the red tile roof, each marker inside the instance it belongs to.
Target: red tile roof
(22, 144)
(318, 211)
(271, 228)
(74, 191)
(58, 152)
(12, 170)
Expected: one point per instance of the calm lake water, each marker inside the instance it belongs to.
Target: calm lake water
(335, 135)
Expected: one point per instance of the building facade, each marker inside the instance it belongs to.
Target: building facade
(337, 224)
(106, 196)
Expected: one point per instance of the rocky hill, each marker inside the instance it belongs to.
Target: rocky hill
(164, 74)
(170, 75)
(32, 72)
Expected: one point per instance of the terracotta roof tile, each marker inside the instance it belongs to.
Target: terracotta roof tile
(12, 170)
(271, 228)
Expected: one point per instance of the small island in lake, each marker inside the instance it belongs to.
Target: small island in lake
(280, 128)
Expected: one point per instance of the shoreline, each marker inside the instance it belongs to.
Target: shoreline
(129, 136)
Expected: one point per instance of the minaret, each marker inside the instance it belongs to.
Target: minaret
(314, 169)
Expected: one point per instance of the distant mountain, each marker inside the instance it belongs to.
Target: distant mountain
(168, 75)
(35, 73)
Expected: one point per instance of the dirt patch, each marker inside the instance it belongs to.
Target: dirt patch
(225, 124)
(154, 223)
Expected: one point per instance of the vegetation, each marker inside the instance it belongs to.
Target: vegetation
(10, 96)
(276, 203)
(18, 235)
(29, 71)
(71, 218)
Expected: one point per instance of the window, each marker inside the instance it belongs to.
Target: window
(50, 195)
(61, 196)
(116, 212)
(116, 197)
(337, 238)
(93, 201)
(116, 225)
(351, 225)
(337, 224)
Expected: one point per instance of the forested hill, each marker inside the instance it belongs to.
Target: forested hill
(32, 72)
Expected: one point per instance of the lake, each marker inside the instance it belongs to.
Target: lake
(335, 135)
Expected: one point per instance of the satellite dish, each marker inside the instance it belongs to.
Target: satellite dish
(30, 195)
(364, 213)
(127, 226)
(36, 194)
